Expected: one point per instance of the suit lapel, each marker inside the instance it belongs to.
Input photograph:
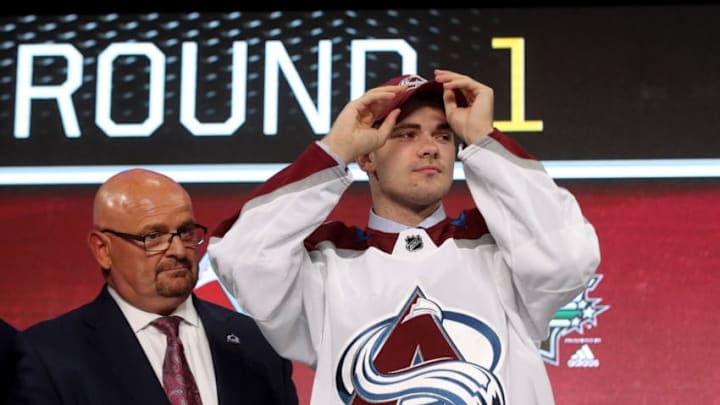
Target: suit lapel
(111, 334)
(226, 349)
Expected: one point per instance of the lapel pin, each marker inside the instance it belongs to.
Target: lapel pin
(231, 338)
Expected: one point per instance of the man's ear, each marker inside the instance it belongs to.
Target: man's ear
(99, 245)
(365, 163)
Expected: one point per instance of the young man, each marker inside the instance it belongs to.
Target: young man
(111, 351)
(417, 306)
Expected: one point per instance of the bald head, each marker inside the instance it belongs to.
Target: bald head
(133, 204)
(135, 192)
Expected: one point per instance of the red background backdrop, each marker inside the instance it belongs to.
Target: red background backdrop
(657, 343)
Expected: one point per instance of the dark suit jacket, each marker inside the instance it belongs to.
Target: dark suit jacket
(90, 356)
(7, 359)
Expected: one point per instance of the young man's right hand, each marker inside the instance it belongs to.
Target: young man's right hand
(353, 134)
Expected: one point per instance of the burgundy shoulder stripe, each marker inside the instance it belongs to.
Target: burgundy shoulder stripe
(312, 159)
(511, 145)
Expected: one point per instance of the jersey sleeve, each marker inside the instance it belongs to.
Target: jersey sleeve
(549, 249)
(259, 254)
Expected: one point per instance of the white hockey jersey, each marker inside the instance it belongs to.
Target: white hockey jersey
(449, 314)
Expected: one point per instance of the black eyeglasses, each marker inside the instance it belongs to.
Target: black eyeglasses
(191, 236)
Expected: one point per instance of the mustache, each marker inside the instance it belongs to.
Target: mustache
(174, 264)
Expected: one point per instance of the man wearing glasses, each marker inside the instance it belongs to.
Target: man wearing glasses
(119, 348)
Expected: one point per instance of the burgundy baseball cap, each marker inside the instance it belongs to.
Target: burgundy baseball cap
(417, 84)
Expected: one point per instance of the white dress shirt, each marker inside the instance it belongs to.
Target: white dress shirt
(192, 334)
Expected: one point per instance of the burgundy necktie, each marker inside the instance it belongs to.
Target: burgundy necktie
(177, 379)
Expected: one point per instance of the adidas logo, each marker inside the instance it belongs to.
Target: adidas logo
(583, 357)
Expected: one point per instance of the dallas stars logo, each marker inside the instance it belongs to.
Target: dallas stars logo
(578, 315)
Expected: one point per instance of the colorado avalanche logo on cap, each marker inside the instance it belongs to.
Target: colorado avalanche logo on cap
(413, 81)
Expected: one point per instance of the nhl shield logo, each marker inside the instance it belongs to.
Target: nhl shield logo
(413, 243)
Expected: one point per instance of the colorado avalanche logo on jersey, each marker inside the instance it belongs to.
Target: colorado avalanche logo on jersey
(423, 356)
